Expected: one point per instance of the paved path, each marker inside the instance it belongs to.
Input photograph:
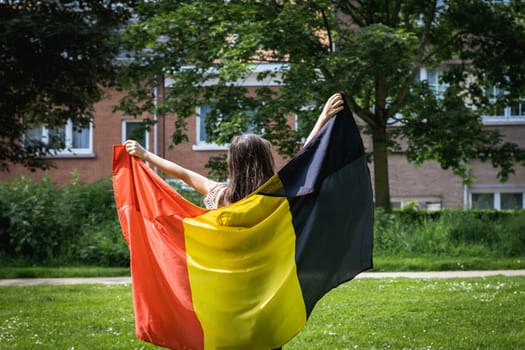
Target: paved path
(124, 280)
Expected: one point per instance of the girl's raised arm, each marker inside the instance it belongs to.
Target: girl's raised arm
(197, 181)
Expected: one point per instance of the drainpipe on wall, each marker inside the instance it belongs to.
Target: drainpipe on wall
(162, 98)
(465, 197)
(159, 96)
(155, 118)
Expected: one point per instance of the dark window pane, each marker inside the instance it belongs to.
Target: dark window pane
(80, 138)
(204, 110)
(511, 200)
(57, 138)
(136, 131)
(483, 200)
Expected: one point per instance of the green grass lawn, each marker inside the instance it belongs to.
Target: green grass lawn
(484, 313)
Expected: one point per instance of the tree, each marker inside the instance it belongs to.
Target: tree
(55, 59)
(372, 50)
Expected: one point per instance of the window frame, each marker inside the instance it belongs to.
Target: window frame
(496, 190)
(430, 203)
(507, 118)
(201, 145)
(438, 87)
(250, 80)
(123, 133)
(69, 151)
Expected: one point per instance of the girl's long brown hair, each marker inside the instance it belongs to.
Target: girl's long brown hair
(250, 163)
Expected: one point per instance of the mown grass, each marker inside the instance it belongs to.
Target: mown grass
(484, 313)
(67, 317)
(477, 313)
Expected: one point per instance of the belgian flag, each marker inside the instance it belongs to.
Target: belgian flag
(246, 276)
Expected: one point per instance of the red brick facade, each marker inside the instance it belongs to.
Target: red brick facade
(107, 132)
(426, 184)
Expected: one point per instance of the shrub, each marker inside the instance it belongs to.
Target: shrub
(30, 208)
(450, 232)
(103, 246)
(46, 224)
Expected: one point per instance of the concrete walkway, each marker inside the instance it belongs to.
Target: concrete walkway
(124, 280)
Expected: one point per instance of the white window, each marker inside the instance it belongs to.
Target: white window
(506, 115)
(202, 143)
(517, 110)
(498, 197)
(202, 114)
(72, 140)
(482, 200)
(511, 114)
(512, 200)
(427, 203)
(135, 130)
(433, 78)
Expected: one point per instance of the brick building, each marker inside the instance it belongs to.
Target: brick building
(428, 186)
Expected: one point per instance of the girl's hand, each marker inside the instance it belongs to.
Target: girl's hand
(135, 149)
(332, 106)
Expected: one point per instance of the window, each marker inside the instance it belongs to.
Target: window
(517, 110)
(202, 143)
(425, 203)
(202, 136)
(493, 94)
(504, 197)
(71, 140)
(498, 114)
(513, 115)
(135, 130)
(482, 201)
(511, 200)
(433, 77)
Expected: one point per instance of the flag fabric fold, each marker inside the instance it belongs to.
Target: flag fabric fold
(248, 275)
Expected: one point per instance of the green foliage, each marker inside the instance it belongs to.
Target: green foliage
(450, 233)
(46, 224)
(218, 168)
(103, 246)
(372, 50)
(56, 58)
(28, 207)
(188, 193)
(49, 224)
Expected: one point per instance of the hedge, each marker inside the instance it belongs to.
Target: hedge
(44, 223)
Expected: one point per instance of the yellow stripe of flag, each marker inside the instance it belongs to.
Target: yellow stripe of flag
(243, 277)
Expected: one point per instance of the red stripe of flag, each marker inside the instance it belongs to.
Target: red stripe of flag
(164, 313)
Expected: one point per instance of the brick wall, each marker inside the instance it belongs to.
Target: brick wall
(406, 181)
(106, 132)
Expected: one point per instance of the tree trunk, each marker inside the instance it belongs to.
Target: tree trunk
(380, 157)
